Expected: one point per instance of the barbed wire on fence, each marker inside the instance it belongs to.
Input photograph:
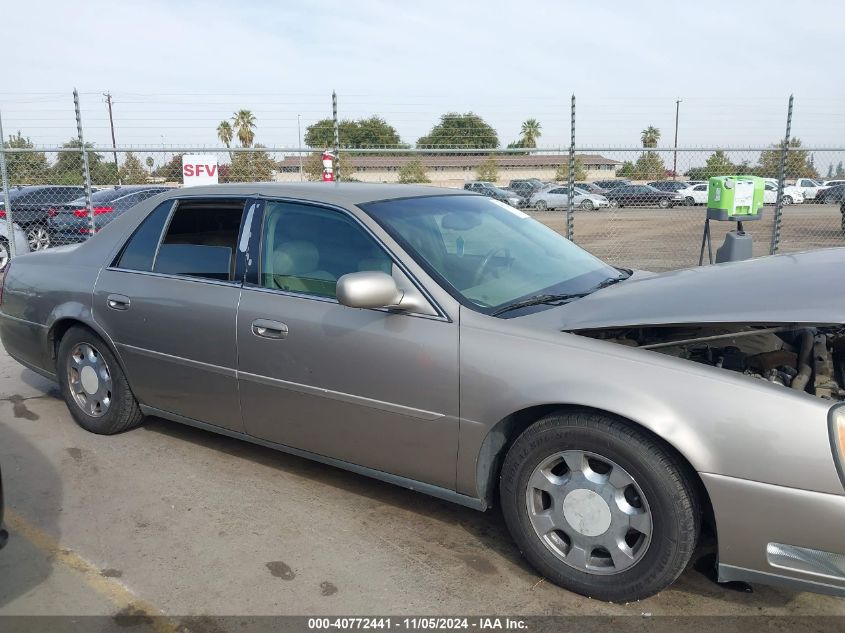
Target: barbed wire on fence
(44, 191)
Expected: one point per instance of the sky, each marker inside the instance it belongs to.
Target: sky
(175, 69)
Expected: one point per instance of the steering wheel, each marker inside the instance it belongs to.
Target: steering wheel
(483, 267)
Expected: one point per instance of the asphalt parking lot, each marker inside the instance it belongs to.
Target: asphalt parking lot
(172, 520)
(665, 239)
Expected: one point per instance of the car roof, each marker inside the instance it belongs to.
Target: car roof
(332, 193)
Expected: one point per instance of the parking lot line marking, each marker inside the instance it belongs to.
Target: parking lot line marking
(113, 590)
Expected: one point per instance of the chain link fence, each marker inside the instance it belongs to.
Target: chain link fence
(641, 207)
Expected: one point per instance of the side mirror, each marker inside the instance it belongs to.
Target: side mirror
(373, 289)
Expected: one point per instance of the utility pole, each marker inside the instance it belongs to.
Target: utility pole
(675, 160)
(299, 142)
(107, 95)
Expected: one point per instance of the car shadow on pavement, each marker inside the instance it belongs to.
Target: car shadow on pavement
(487, 528)
(33, 497)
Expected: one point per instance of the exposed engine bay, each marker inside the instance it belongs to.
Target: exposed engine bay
(801, 358)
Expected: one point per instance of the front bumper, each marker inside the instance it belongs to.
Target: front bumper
(777, 535)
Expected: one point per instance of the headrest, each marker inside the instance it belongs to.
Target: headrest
(295, 258)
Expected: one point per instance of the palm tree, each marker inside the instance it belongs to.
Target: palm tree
(530, 132)
(244, 123)
(224, 133)
(650, 136)
(150, 162)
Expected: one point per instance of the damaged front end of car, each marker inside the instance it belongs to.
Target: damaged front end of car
(809, 359)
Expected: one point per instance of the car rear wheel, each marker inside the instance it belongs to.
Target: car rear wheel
(786, 200)
(614, 203)
(93, 384)
(587, 205)
(4, 253)
(38, 238)
(664, 203)
(541, 205)
(599, 507)
(690, 201)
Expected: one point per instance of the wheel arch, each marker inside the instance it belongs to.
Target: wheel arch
(60, 326)
(505, 432)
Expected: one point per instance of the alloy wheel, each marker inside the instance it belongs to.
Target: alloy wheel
(589, 512)
(89, 380)
(38, 238)
(541, 205)
(4, 254)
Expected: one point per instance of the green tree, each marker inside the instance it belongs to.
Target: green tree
(562, 173)
(627, 170)
(255, 166)
(370, 132)
(413, 171)
(225, 133)
(798, 161)
(717, 164)
(27, 168)
(488, 170)
(243, 123)
(530, 133)
(650, 136)
(132, 172)
(150, 163)
(171, 171)
(830, 171)
(68, 167)
(461, 131)
(649, 166)
(840, 170)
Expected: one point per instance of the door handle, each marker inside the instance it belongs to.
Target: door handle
(118, 302)
(269, 329)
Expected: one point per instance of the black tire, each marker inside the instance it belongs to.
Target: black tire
(122, 413)
(614, 203)
(690, 201)
(587, 205)
(664, 483)
(541, 205)
(664, 203)
(786, 200)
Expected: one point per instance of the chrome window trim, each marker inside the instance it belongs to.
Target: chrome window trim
(442, 315)
(149, 273)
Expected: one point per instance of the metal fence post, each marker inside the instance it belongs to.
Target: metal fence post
(336, 138)
(10, 225)
(86, 172)
(570, 198)
(781, 175)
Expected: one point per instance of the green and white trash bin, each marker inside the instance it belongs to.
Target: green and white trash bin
(732, 199)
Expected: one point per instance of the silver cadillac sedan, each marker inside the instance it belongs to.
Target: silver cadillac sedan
(448, 343)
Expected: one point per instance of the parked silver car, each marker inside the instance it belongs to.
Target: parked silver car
(449, 343)
(557, 196)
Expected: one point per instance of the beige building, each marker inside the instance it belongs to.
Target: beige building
(448, 170)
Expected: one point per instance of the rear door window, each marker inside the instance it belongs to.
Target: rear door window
(139, 252)
(201, 239)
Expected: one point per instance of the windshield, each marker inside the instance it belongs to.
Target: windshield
(486, 253)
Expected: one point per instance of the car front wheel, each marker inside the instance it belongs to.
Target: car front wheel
(599, 507)
(541, 205)
(664, 203)
(587, 205)
(614, 203)
(786, 200)
(93, 384)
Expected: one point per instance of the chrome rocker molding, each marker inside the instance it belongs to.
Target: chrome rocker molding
(404, 482)
(729, 573)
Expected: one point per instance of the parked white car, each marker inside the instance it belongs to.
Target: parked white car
(21, 243)
(791, 193)
(809, 187)
(695, 194)
(555, 197)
